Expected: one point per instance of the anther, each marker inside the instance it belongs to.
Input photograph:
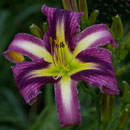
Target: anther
(62, 45)
(51, 40)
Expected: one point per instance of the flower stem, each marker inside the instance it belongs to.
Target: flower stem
(103, 126)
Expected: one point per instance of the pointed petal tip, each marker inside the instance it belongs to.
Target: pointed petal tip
(103, 26)
(95, 36)
(115, 45)
(33, 99)
(5, 54)
(13, 56)
(12, 67)
(26, 45)
(27, 80)
(70, 24)
(43, 9)
(102, 75)
(68, 107)
(110, 91)
(65, 125)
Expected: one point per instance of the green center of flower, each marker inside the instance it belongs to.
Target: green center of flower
(58, 52)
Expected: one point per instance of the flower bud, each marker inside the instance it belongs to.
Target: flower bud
(118, 27)
(106, 108)
(83, 8)
(36, 31)
(123, 117)
(127, 42)
(93, 17)
(45, 27)
(125, 107)
(126, 92)
(123, 53)
(70, 5)
(121, 71)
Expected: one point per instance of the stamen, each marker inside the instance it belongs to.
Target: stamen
(64, 53)
(56, 46)
(58, 53)
(51, 42)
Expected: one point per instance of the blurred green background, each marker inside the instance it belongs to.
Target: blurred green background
(16, 16)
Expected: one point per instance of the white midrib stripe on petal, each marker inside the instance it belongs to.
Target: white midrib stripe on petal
(36, 50)
(65, 85)
(89, 40)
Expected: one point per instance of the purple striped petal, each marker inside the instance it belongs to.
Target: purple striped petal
(67, 102)
(68, 20)
(28, 45)
(27, 81)
(103, 75)
(95, 36)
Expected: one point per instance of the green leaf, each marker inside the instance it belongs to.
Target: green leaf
(18, 117)
(47, 120)
(121, 71)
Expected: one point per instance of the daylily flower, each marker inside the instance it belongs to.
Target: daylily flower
(63, 57)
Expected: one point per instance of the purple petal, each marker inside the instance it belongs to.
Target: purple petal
(103, 75)
(67, 102)
(28, 45)
(28, 82)
(70, 22)
(95, 36)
